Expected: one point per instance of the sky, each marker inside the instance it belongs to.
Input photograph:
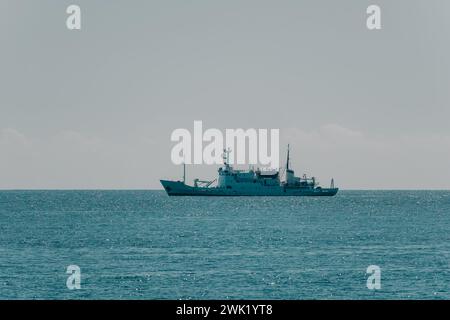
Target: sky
(94, 108)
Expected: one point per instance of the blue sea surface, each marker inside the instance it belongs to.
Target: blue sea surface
(145, 245)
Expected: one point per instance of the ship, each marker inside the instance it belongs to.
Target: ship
(233, 182)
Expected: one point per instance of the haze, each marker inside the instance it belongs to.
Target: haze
(95, 108)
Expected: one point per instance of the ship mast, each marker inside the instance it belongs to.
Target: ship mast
(184, 168)
(226, 156)
(287, 160)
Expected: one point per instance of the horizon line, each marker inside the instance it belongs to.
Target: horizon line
(140, 189)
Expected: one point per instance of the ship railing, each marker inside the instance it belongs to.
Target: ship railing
(203, 183)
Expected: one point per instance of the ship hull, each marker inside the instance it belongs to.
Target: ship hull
(178, 188)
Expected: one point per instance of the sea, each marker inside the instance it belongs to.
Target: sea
(146, 245)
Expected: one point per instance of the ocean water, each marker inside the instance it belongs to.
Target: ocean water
(145, 245)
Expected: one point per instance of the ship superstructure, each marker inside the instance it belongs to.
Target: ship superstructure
(233, 182)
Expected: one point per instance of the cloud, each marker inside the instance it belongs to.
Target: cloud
(70, 159)
(9, 136)
(358, 160)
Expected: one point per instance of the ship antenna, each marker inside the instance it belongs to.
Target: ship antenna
(184, 168)
(226, 154)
